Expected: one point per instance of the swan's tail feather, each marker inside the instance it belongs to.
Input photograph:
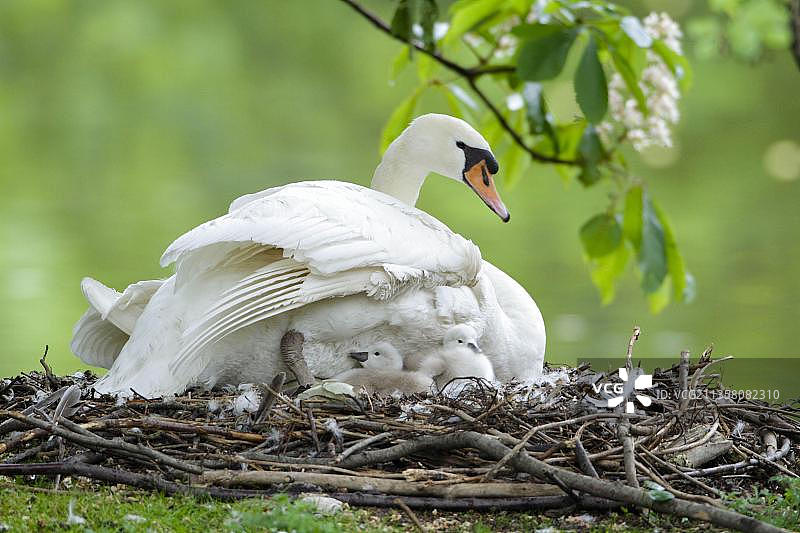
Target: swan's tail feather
(103, 330)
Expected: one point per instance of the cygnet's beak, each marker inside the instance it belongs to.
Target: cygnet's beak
(479, 171)
(474, 347)
(361, 357)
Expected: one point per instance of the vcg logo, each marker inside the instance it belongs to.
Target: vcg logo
(640, 382)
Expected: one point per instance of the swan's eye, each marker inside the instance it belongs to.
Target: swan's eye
(461, 145)
(377, 353)
(460, 341)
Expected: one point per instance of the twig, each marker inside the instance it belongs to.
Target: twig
(628, 457)
(794, 9)
(540, 503)
(313, 429)
(629, 353)
(47, 372)
(683, 381)
(360, 445)
(584, 463)
(268, 397)
(96, 442)
(400, 503)
(398, 487)
(470, 75)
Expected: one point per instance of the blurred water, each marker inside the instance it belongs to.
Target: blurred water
(123, 124)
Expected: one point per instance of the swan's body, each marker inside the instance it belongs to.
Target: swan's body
(382, 373)
(458, 357)
(344, 265)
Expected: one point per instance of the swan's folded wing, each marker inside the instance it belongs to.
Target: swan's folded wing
(330, 227)
(310, 241)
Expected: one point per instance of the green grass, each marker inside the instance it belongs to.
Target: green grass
(107, 509)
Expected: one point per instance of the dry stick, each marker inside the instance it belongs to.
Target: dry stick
(506, 458)
(525, 463)
(165, 424)
(652, 474)
(628, 457)
(400, 503)
(360, 445)
(680, 473)
(758, 457)
(677, 449)
(313, 429)
(536, 503)
(629, 354)
(54, 383)
(96, 442)
(398, 487)
(268, 398)
(746, 463)
(683, 380)
(114, 476)
(584, 463)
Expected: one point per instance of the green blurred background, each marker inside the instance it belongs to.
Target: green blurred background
(124, 124)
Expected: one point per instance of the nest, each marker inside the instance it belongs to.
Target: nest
(555, 445)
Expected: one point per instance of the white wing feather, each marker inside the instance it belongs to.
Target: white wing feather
(309, 241)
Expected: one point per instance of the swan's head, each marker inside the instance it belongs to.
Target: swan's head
(380, 356)
(451, 147)
(461, 336)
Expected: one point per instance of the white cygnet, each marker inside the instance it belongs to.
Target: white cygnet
(382, 372)
(459, 357)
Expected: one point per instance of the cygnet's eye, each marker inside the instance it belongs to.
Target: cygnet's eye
(460, 341)
(377, 353)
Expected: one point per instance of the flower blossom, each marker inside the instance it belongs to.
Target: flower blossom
(660, 89)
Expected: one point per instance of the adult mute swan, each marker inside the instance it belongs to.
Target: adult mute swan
(343, 265)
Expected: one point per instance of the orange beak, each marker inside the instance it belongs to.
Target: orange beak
(481, 181)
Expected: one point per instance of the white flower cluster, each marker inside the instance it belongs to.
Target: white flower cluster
(659, 87)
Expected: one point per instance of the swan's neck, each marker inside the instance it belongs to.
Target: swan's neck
(398, 177)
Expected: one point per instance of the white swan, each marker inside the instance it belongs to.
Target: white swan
(344, 265)
(382, 372)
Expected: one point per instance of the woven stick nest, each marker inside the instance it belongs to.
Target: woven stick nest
(553, 445)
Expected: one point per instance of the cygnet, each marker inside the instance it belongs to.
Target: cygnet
(382, 372)
(459, 357)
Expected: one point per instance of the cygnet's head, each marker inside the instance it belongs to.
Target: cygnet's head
(380, 356)
(462, 335)
(452, 148)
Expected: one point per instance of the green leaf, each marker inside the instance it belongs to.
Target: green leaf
(452, 102)
(601, 235)
(467, 15)
(591, 89)
(660, 495)
(543, 57)
(539, 121)
(425, 67)
(676, 62)
(428, 13)
(658, 300)
(401, 117)
(606, 270)
(401, 21)
(515, 162)
(652, 252)
(682, 281)
(400, 62)
(632, 216)
(631, 80)
(591, 153)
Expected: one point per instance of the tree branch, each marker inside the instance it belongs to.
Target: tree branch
(470, 75)
(794, 10)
